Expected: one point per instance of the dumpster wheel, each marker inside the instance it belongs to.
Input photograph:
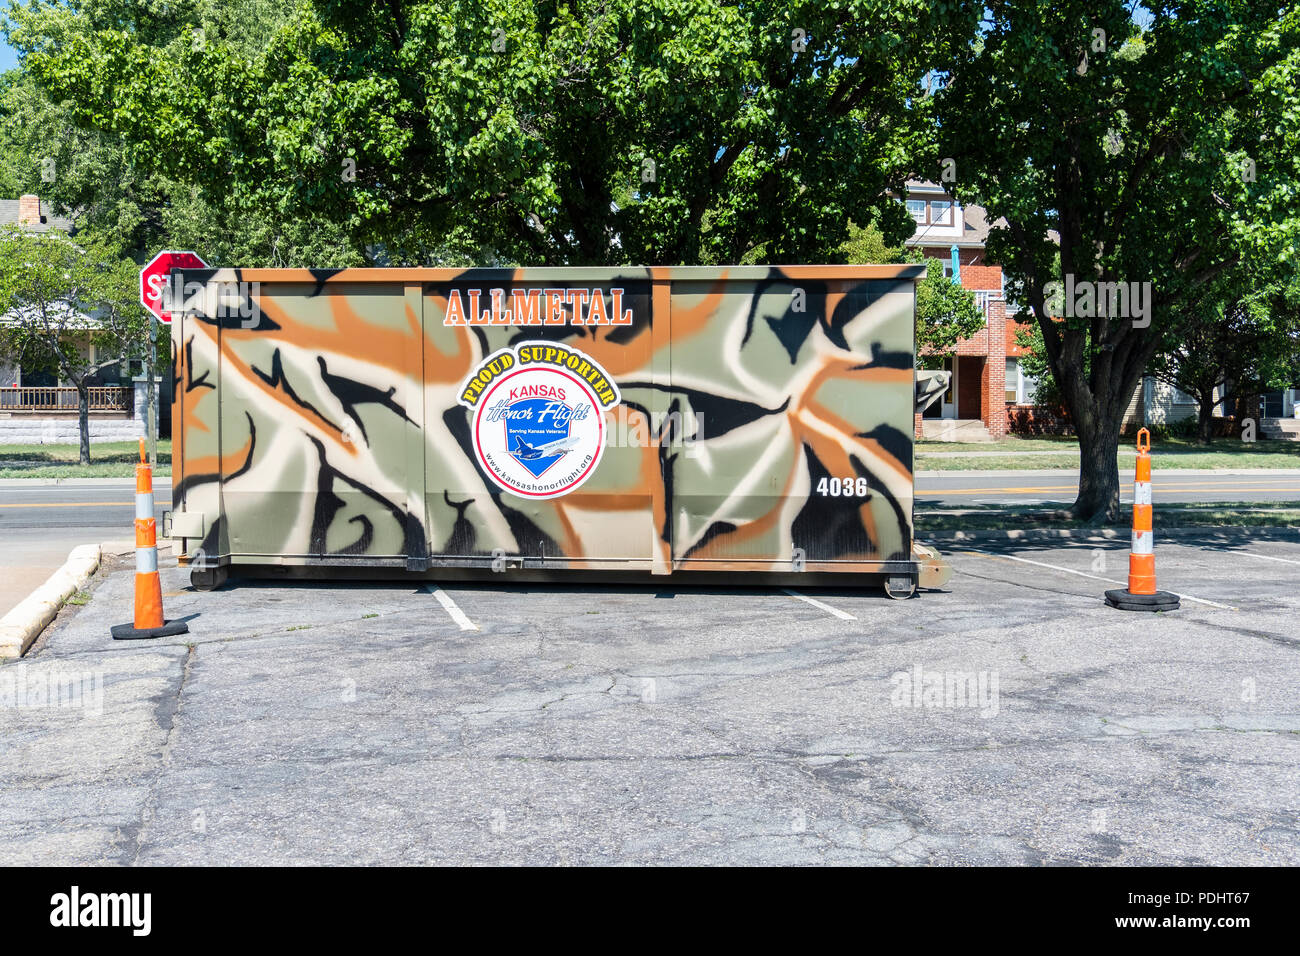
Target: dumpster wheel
(208, 579)
(900, 587)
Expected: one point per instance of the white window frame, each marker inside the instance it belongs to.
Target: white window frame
(946, 219)
(913, 212)
(1022, 383)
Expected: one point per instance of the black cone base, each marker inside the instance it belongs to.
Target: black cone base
(129, 632)
(1127, 601)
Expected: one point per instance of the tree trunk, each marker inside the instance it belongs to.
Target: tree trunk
(83, 420)
(1098, 499)
(1205, 418)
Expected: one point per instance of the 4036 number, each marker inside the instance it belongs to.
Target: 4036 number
(844, 487)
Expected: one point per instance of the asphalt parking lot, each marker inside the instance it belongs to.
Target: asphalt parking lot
(1011, 719)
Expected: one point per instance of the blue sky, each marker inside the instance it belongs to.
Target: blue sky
(8, 59)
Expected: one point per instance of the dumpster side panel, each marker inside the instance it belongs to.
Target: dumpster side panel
(802, 442)
(312, 428)
(473, 518)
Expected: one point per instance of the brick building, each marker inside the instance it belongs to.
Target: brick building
(989, 394)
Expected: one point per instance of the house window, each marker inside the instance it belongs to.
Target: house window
(1012, 306)
(38, 377)
(916, 207)
(941, 213)
(1028, 388)
(1020, 388)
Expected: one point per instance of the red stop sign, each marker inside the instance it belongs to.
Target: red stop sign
(154, 276)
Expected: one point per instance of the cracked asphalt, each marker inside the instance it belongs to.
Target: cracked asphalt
(1012, 719)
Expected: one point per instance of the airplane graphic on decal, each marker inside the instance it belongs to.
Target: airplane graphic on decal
(527, 452)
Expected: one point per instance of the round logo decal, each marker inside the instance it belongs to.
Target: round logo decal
(539, 417)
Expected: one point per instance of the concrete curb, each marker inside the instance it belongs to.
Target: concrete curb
(21, 626)
(1032, 535)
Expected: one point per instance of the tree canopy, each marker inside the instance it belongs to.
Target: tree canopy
(1239, 341)
(621, 131)
(1152, 159)
(97, 177)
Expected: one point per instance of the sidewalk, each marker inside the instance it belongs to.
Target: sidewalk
(27, 559)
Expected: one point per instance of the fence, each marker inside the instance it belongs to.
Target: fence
(45, 399)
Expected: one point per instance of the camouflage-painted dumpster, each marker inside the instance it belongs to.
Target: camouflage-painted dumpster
(535, 421)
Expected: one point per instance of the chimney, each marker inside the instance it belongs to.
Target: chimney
(29, 210)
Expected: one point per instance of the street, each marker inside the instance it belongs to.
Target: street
(1059, 486)
(104, 505)
(91, 504)
(40, 523)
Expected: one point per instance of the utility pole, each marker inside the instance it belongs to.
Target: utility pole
(151, 400)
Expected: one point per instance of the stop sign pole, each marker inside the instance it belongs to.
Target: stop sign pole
(152, 279)
(151, 394)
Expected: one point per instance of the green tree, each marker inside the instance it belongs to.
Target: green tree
(91, 176)
(1165, 153)
(866, 244)
(1236, 345)
(593, 132)
(56, 297)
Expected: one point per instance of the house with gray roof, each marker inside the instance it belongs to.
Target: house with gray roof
(33, 214)
(36, 408)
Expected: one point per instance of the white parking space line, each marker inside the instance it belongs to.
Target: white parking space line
(842, 615)
(1084, 574)
(1252, 554)
(451, 607)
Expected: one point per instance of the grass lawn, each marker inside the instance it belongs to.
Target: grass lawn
(1009, 453)
(114, 459)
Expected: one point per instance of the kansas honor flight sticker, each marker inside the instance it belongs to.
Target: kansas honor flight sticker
(539, 417)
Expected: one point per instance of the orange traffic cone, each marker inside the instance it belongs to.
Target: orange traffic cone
(1142, 594)
(148, 588)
